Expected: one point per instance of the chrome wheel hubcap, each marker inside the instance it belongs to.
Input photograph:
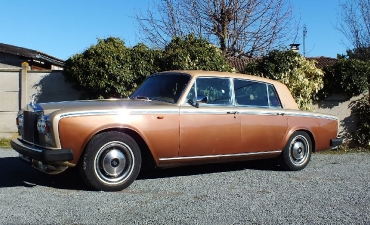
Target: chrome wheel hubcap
(299, 150)
(114, 162)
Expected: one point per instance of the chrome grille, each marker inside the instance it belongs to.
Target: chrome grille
(30, 127)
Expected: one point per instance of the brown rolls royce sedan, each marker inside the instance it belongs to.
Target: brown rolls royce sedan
(174, 118)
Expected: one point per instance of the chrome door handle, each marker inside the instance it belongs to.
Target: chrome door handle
(234, 112)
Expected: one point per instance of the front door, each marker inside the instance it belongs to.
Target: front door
(214, 127)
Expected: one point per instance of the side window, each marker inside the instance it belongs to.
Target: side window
(273, 99)
(217, 90)
(252, 93)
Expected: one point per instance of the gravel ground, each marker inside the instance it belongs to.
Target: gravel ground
(333, 189)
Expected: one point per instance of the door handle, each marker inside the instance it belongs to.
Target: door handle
(280, 114)
(233, 112)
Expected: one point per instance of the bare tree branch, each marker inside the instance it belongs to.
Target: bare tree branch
(238, 27)
(355, 22)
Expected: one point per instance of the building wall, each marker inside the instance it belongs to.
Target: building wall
(17, 87)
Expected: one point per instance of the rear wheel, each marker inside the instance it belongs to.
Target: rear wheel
(111, 161)
(297, 152)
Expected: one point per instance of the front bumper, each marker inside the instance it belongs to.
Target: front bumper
(41, 154)
(335, 142)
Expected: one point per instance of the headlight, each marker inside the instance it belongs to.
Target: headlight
(43, 126)
(19, 121)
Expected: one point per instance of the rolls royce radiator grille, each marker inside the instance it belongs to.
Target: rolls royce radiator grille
(30, 127)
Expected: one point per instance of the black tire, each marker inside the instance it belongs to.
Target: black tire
(297, 152)
(110, 162)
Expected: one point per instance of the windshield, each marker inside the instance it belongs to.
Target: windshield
(162, 87)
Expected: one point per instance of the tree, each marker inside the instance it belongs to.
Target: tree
(355, 22)
(237, 27)
(301, 76)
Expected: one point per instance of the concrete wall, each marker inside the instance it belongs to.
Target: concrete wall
(9, 99)
(17, 87)
(340, 106)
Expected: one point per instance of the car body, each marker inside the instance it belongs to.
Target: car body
(174, 118)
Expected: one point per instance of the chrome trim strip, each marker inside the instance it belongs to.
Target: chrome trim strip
(29, 147)
(261, 113)
(220, 156)
(36, 146)
(312, 115)
(118, 112)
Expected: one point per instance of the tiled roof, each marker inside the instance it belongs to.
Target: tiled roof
(29, 53)
(239, 63)
(323, 61)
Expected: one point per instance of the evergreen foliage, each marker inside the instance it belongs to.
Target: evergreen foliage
(301, 76)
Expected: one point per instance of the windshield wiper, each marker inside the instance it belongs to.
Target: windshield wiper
(142, 97)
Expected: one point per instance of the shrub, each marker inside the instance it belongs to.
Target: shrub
(301, 76)
(110, 69)
(191, 53)
(361, 109)
(348, 76)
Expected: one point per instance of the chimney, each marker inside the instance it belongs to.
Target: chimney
(294, 47)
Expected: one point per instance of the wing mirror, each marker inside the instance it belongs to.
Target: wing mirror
(200, 98)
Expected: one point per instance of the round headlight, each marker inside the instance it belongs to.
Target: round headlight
(43, 125)
(20, 121)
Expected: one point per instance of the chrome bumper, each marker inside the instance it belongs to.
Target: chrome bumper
(41, 154)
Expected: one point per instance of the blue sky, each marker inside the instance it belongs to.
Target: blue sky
(64, 28)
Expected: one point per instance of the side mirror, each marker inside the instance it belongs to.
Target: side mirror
(202, 99)
(193, 103)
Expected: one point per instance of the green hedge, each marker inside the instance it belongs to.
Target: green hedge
(301, 76)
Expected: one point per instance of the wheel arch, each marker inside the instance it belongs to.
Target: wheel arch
(146, 155)
(307, 131)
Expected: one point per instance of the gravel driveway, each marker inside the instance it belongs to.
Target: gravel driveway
(333, 189)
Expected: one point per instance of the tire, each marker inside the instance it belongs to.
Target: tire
(111, 161)
(297, 152)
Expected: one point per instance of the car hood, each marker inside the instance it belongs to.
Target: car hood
(100, 105)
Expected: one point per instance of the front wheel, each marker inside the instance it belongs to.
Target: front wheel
(297, 152)
(111, 161)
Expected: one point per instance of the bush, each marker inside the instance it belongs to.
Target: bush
(361, 109)
(109, 69)
(348, 76)
(301, 76)
(191, 53)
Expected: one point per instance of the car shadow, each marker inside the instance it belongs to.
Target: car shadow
(190, 170)
(16, 173)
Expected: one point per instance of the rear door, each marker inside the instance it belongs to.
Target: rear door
(263, 121)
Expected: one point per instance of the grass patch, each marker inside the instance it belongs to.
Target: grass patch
(5, 143)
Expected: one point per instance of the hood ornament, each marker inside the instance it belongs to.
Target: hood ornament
(33, 100)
